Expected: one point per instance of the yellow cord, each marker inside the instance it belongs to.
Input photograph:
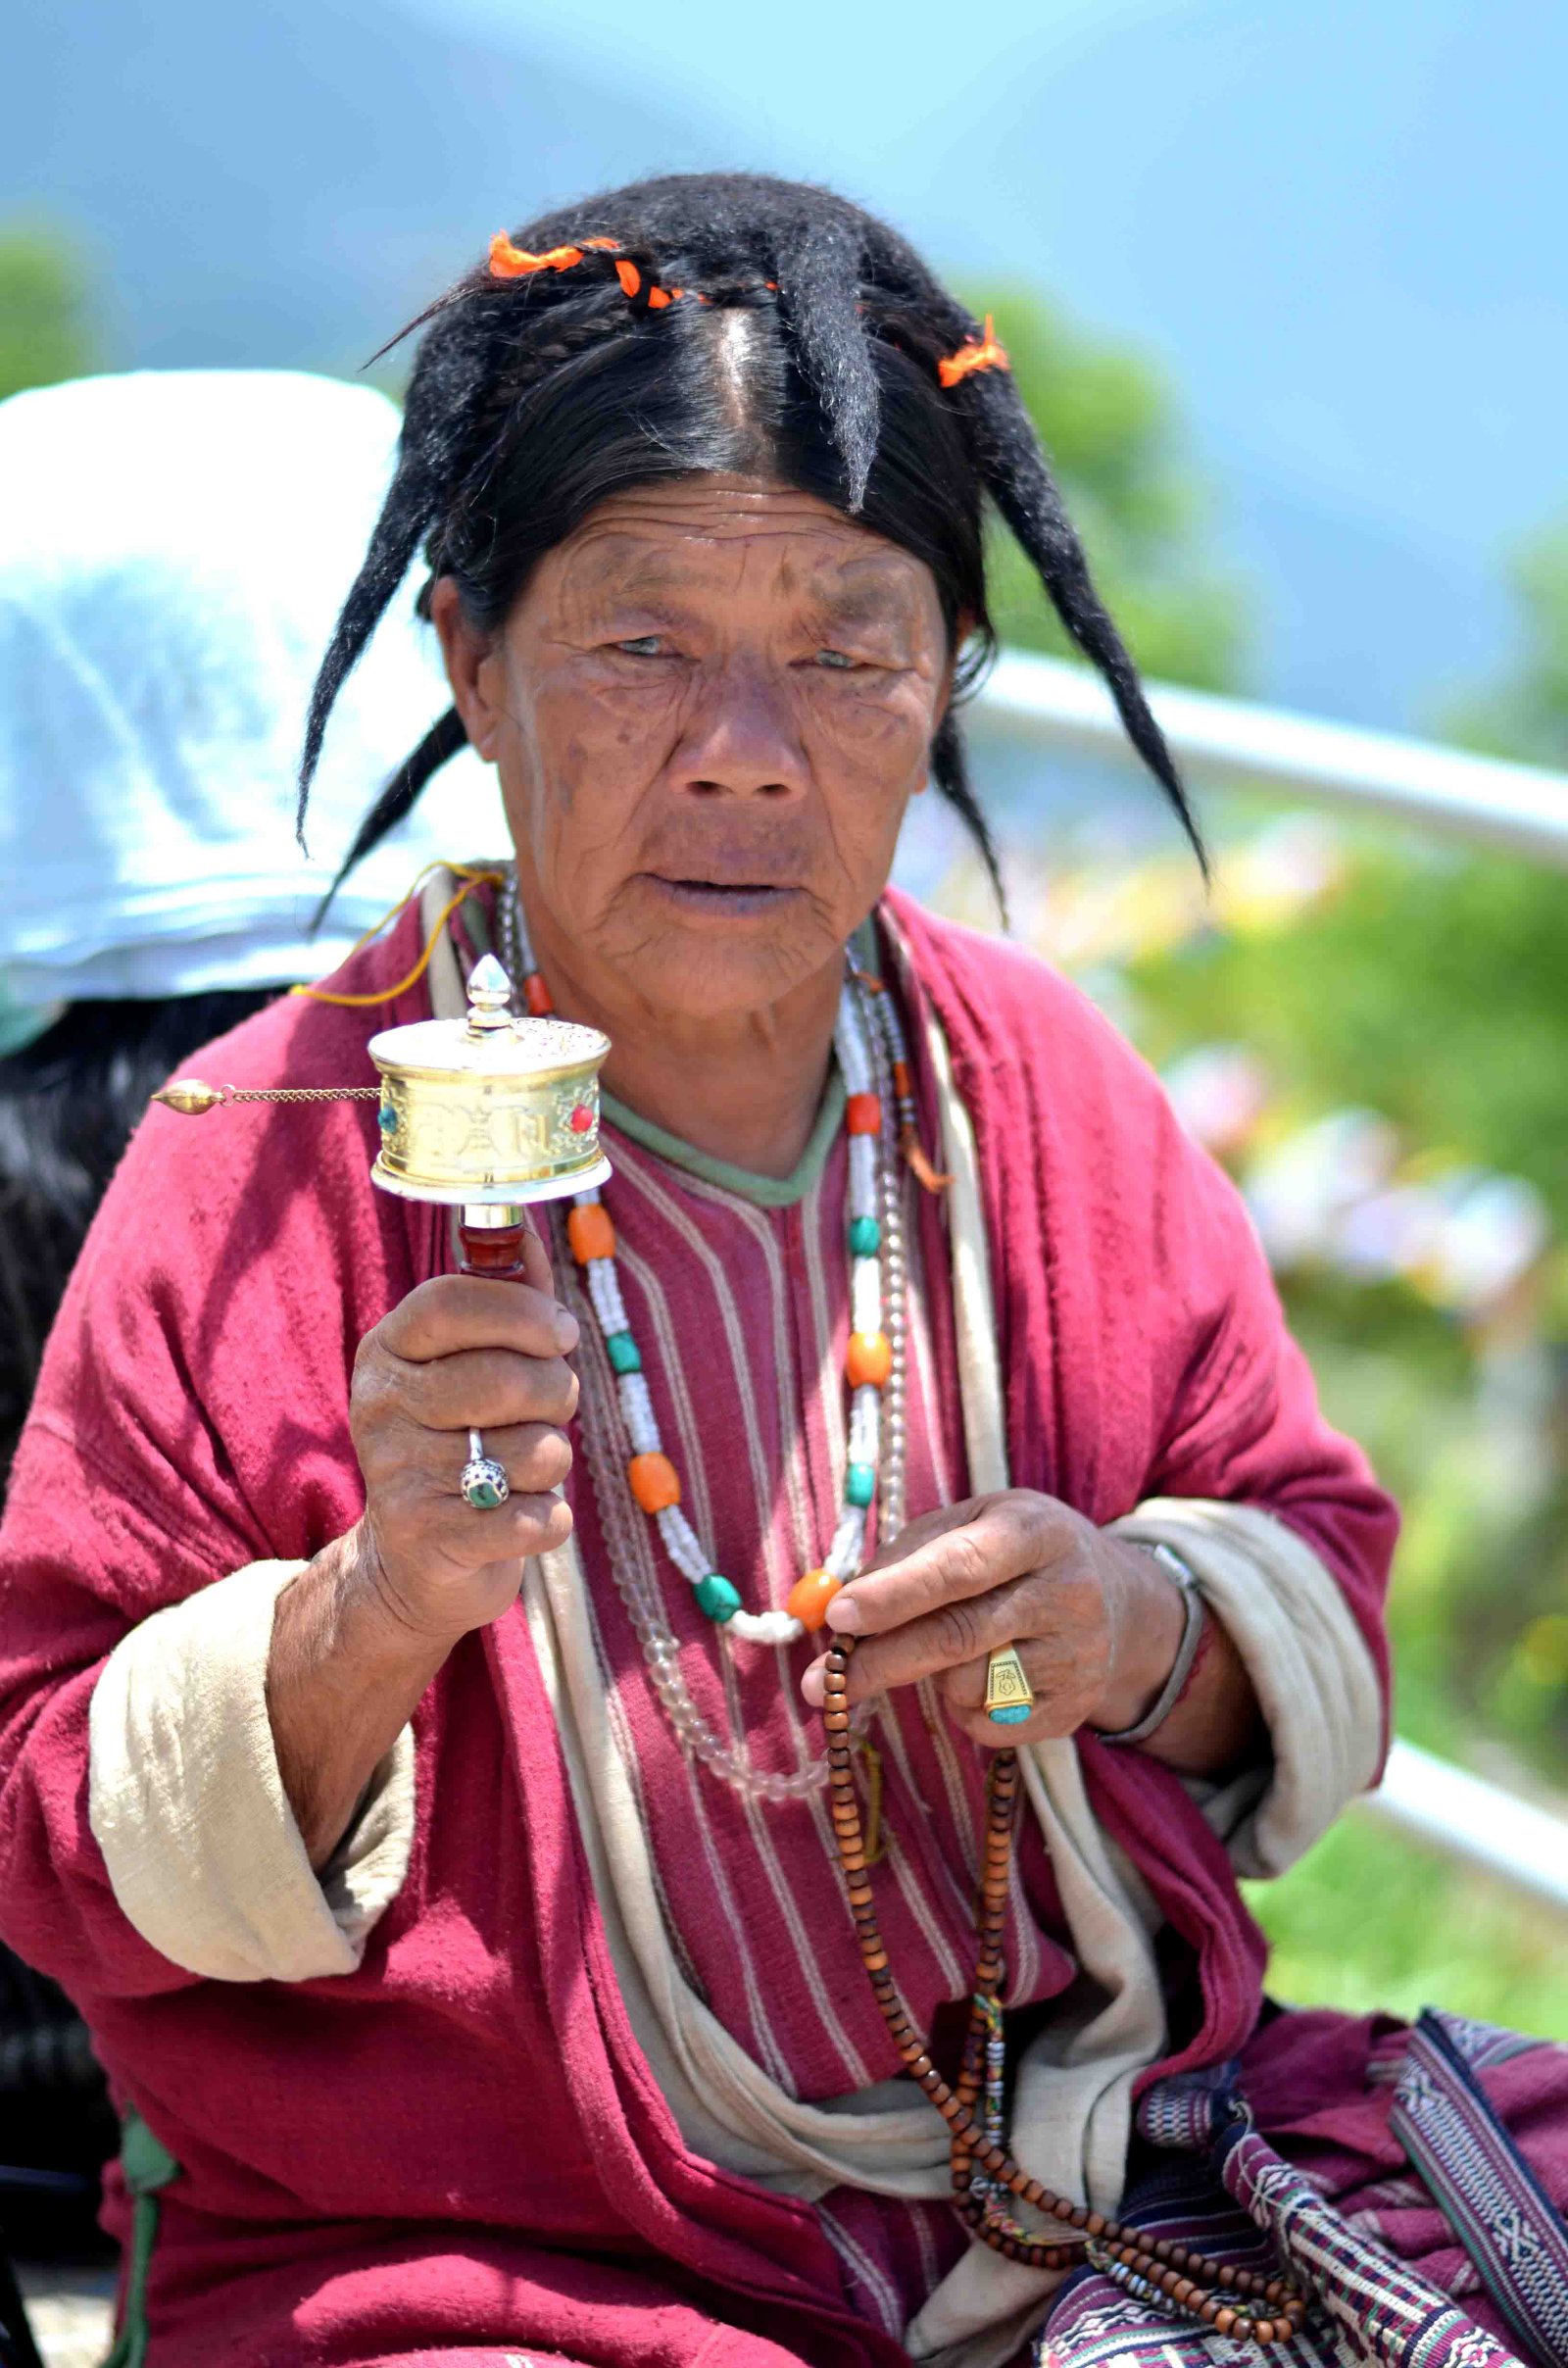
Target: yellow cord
(473, 877)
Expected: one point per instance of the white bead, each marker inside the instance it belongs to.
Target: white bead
(863, 1196)
(848, 1042)
(637, 1412)
(765, 1627)
(603, 1289)
(848, 1549)
(866, 1423)
(865, 1294)
(682, 1545)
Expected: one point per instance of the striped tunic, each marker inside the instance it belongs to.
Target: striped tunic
(737, 1289)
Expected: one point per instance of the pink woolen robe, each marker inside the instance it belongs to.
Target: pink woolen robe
(458, 2149)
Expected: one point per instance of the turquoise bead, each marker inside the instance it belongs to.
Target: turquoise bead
(865, 1237)
(860, 1483)
(625, 1353)
(717, 1597)
(1012, 1717)
(386, 1119)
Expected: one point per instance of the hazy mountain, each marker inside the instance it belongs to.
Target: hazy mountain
(283, 184)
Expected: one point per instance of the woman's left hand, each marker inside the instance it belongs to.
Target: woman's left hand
(1095, 1622)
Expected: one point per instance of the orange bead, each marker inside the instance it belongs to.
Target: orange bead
(900, 1080)
(862, 1115)
(590, 1232)
(655, 1482)
(809, 1597)
(537, 995)
(869, 1359)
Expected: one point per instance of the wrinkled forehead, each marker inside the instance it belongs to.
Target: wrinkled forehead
(709, 534)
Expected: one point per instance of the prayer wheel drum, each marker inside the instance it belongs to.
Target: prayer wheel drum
(488, 1114)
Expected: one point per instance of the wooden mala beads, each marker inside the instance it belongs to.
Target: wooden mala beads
(1217, 2295)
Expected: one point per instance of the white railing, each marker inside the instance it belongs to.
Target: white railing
(1476, 1822)
(1228, 743)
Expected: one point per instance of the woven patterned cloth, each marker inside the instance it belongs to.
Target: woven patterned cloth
(1214, 2180)
(1490, 2195)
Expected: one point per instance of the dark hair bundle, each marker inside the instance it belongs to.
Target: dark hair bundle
(535, 396)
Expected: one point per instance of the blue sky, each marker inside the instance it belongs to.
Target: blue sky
(1338, 224)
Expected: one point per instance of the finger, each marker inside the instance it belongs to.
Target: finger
(476, 1389)
(967, 1628)
(1006, 1537)
(432, 1536)
(456, 1312)
(1063, 1683)
(536, 1268)
(536, 1456)
(934, 1524)
(1058, 1709)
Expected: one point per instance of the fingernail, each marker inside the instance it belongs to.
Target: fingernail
(565, 1329)
(844, 1613)
(812, 1685)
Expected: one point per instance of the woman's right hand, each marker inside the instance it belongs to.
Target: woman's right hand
(463, 1351)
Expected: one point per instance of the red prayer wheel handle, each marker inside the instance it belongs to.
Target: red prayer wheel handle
(492, 1239)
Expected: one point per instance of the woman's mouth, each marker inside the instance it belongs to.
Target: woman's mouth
(729, 899)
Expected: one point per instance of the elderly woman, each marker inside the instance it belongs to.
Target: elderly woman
(494, 1960)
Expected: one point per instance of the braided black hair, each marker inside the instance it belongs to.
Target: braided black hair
(537, 396)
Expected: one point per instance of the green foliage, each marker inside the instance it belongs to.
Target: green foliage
(1112, 428)
(44, 333)
(1434, 988)
(1371, 1921)
(1525, 713)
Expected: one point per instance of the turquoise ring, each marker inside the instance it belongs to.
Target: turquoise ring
(484, 1483)
(1010, 1697)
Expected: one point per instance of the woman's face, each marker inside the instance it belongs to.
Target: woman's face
(708, 711)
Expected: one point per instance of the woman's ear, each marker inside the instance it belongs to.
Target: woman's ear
(466, 651)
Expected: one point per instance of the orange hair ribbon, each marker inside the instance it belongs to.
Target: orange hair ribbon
(979, 353)
(508, 261)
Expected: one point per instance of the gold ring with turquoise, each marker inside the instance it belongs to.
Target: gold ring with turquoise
(1010, 1697)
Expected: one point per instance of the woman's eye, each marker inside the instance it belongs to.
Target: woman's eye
(839, 662)
(643, 645)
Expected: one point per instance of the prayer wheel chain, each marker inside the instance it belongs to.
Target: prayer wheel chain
(982, 2168)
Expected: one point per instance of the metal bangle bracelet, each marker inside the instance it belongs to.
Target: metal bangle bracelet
(484, 1483)
(1181, 1668)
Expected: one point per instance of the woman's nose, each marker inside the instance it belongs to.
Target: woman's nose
(740, 740)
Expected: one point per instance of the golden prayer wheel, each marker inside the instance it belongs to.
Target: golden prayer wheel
(483, 1114)
(491, 1112)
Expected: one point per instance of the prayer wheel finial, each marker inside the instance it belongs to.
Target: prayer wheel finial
(489, 997)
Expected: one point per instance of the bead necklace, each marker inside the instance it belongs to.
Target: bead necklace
(875, 1364)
